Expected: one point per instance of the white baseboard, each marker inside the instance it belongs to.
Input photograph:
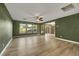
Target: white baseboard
(5, 47)
(74, 42)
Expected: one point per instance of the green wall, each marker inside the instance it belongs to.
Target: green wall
(68, 27)
(16, 28)
(5, 27)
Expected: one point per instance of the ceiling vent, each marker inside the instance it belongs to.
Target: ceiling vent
(68, 7)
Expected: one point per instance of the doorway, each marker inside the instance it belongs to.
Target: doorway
(50, 28)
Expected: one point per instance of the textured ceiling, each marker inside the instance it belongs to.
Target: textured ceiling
(50, 11)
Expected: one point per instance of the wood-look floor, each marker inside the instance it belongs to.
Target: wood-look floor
(41, 45)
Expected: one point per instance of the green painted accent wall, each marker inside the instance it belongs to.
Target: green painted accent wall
(5, 27)
(68, 27)
(16, 28)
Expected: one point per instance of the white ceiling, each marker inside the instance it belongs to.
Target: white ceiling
(50, 11)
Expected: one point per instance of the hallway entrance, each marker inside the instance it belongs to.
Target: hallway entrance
(50, 28)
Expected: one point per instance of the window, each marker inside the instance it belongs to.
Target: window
(22, 28)
(29, 28)
(34, 28)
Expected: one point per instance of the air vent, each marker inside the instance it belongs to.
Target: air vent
(68, 7)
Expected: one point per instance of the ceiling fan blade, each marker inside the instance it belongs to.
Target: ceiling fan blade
(41, 19)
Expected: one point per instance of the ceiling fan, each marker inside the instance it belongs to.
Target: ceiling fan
(38, 18)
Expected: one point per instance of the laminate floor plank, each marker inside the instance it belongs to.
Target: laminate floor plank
(41, 45)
